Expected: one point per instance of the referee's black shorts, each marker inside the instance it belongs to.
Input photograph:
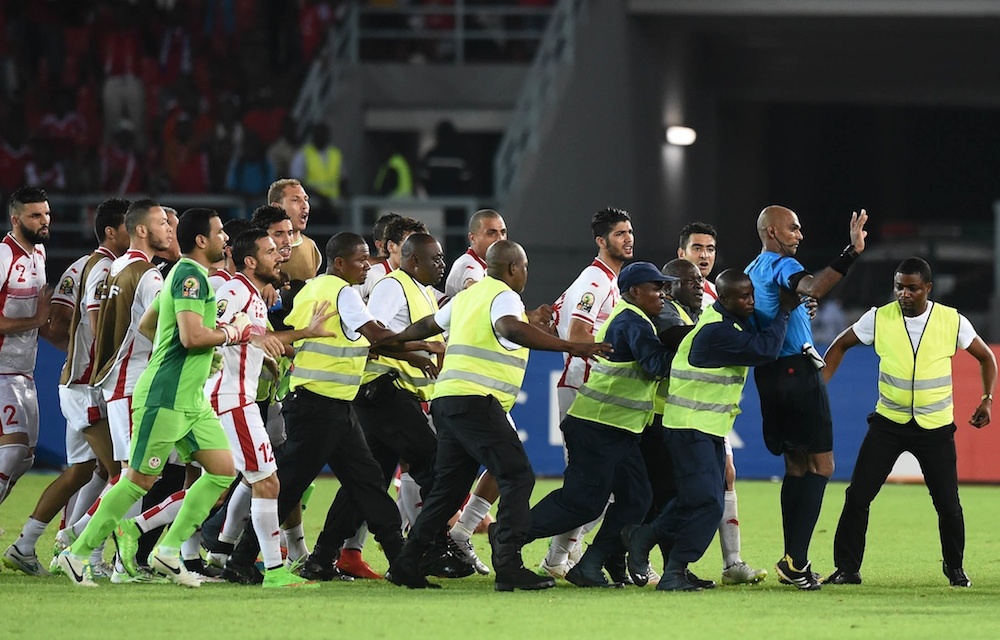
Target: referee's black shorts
(794, 406)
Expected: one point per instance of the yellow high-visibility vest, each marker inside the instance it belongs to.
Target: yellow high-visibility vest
(916, 386)
(330, 367)
(661, 388)
(475, 363)
(323, 170)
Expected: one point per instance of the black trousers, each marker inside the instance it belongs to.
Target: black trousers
(395, 427)
(602, 460)
(934, 449)
(474, 431)
(659, 467)
(323, 431)
(690, 520)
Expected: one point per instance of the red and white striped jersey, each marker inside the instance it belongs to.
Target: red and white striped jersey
(22, 277)
(135, 282)
(590, 299)
(235, 385)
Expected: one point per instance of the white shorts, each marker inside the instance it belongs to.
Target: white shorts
(19, 407)
(252, 453)
(82, 405)
(120, 424)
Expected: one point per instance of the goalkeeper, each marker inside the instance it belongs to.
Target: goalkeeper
(170, 407)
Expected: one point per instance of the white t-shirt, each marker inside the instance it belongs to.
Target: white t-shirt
(864, 328)
(508, 303)
(389, 306)
(468, 268)
(22, 277)
(235, 385)
(218, 279)
(353, 312)
(590, 299)
(377, 271)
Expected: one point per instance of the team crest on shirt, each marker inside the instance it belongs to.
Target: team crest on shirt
(102, 290)
(154, 462)
(586, 302)
(66, 286)
(190, 288)
(220, 307)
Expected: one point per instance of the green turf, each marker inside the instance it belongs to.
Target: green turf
(904, 595)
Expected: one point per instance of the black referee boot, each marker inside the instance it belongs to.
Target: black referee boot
(510, 571)
(404, 570)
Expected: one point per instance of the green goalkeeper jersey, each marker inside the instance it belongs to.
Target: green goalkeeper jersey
(176, 376)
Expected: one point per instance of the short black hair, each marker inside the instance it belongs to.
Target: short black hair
(266, 215)
(342, 245)
(234, 228)
(378, 231)
(695, 227)
(26, 195)
(476, 221)
(605, 220)
(399, 229)
(916, 266)
(245, 245)
(193, 223)
(110, 213)
(138, 213)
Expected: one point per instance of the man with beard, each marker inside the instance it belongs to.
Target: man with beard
(24, 302)
(233, 390)
(580, 312)
(389, 402)
(80, 289)
(171, 409)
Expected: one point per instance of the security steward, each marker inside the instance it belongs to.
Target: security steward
(706, 381)
(325, 379)
(388, 404)
(481, 376)
(915, 340)
(603, 427)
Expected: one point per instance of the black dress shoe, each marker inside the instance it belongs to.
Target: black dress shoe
(241, 574)
(406, 573)
(442, 563)
(315, 569)
(617, 569)
(956, 576)
(521, 578)
(698, 582)
(583, 576)
(843, 577)
(677, 581)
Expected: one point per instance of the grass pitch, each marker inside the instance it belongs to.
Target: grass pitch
(904, 594)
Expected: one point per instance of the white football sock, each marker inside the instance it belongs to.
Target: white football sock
(12, 457)
(191, 548)
(357, 541)
(474, 512)
(264, 513)
(729, 531)
(237, 513)
(86, 497)
(295, 543)
(409, 497)
(32, 531)
(560, 546)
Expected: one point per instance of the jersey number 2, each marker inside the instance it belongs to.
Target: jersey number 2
(10, 411)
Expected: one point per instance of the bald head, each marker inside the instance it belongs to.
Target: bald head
(735, 292)
(779, 230)
(680, 268)
(689, 288)
(422, 258)
(507, 261)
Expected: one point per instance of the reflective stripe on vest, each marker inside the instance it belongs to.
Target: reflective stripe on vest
(420, 303)
(475, 363)
(700, 398)
(323, 170)
(330, 367)
(661, 389)
(617, 394)
(916, 386)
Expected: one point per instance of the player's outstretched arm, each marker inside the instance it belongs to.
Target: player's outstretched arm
(835, 354)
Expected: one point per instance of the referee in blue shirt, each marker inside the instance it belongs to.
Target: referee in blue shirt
(794, 404)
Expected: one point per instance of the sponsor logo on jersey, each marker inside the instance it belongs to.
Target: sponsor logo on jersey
(190, 288)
